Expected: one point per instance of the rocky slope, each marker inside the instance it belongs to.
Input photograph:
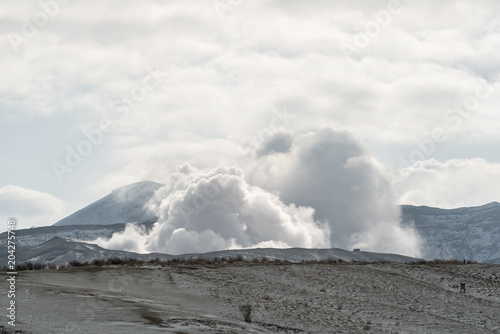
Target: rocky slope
(465, 233)
(126, 204)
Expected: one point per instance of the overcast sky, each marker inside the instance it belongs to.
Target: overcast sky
(94, 96)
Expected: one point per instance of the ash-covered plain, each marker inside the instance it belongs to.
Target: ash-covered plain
(285, 298)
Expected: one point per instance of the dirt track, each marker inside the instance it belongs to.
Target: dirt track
(321, 298)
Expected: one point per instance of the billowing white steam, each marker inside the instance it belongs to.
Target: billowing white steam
(332, 173)
(206, 211)
(319, 189)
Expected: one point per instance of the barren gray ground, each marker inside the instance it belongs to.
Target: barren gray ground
(287, 298)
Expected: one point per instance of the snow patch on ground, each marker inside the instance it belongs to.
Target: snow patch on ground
(285, 298)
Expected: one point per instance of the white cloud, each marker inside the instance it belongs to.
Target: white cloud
(451, 184)
(30, 207)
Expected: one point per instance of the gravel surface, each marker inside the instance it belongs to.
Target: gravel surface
(285, 298)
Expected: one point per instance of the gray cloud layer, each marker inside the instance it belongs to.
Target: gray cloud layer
(221, 82)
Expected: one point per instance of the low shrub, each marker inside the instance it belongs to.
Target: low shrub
(75, 263)
(246, 310)
(442, 261)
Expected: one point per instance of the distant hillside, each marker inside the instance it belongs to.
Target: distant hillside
(464, 233)
(36, 236)
(494, 261)
(61, 251)
(123, 205)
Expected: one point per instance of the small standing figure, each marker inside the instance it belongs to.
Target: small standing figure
(462, 287)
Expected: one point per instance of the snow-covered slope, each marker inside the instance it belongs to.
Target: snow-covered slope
(36, 236)
(124, 205)
(465, 233)
(61, 251)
